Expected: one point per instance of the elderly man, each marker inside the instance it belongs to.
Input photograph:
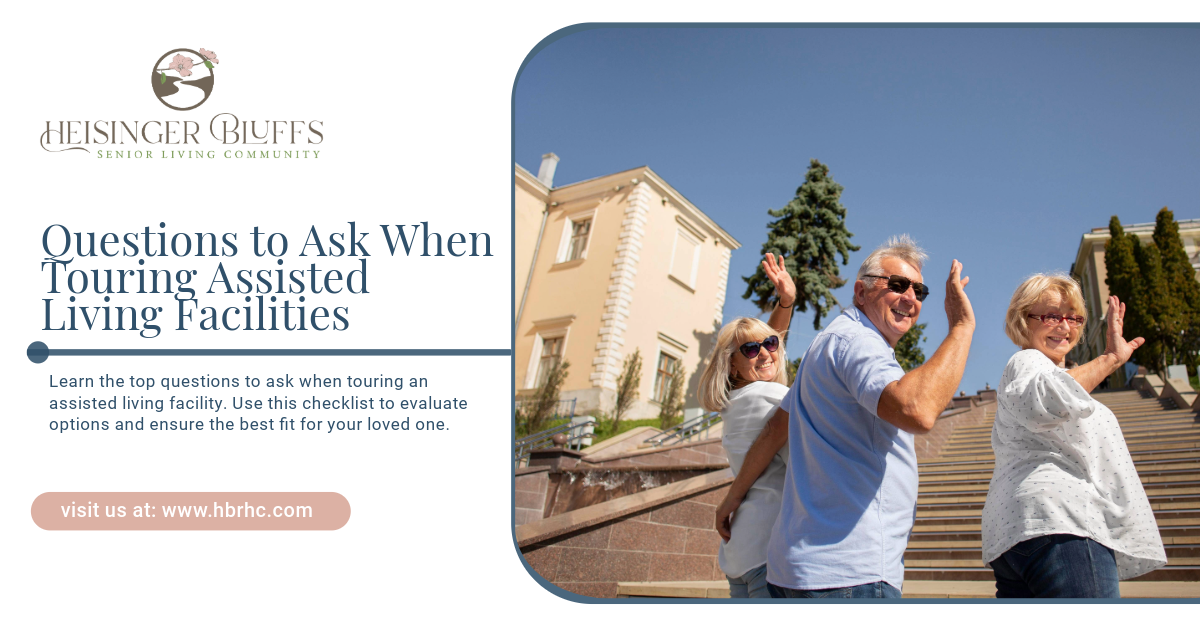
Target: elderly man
(851, 490)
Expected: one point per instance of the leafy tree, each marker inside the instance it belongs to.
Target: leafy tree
(627, 386)
(672, 404)
(810, 232)
(545, 401)
(908, 348)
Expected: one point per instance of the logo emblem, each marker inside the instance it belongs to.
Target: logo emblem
(183, 78)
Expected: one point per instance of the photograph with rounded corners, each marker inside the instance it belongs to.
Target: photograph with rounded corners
(854, 312)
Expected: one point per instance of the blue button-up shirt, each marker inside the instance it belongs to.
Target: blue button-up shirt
(850, 495)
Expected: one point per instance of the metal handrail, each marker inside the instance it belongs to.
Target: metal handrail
(684, 432)
(563, 408)
(545, 438)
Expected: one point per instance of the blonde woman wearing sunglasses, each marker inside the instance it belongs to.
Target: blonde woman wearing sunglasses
(1066, 515)
(744, 380)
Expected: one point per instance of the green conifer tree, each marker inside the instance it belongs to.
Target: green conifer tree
(1124, 279)
(810, 232)
(1120, 266)
(1183, 290)
(1153, 309)
(908, 348)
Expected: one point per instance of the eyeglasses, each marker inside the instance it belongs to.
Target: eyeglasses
(750, 349)
(1053, 320)
(900, 285)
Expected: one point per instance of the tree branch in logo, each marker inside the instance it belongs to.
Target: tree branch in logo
(183, 65)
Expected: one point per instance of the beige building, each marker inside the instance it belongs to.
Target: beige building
(1089, 270)
(607, 265)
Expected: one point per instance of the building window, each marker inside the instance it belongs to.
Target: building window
(665, 373)
(579, 239)
(550, 337)
(685, 258)
(551, 356)
(577, 231)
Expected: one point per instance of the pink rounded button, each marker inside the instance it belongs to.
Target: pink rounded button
(190, 511)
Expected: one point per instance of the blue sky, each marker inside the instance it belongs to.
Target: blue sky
(996, 146)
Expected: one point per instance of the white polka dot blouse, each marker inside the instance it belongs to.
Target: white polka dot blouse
(1062, 467)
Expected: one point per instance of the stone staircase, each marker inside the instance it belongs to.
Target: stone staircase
(943, 559)
(944, 551)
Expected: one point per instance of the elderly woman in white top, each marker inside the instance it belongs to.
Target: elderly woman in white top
(1066, 515)
(744, 380)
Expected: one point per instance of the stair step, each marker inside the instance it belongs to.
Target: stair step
(943, 557)
(914, 589)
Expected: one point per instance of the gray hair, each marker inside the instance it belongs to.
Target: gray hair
(902, 247)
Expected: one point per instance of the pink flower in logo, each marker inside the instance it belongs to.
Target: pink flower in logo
(210, 55)
(182, 64)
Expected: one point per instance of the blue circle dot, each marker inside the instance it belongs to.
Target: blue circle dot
(37, 352)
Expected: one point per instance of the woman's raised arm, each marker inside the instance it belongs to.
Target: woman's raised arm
(785, 289)
(1116, 352)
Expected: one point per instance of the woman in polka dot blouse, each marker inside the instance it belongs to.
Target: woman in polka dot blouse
(1066, 515)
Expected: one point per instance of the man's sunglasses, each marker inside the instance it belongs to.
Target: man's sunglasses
(900, 285)
(750, 349)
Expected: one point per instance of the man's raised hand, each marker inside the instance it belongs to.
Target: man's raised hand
(958, 306)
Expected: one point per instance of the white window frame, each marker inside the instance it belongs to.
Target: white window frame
(541, 357)
(689, 278)
(662, 350)
(546, 329)
(564, 244)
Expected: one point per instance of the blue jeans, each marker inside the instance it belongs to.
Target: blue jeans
(1057, 565)
(752, 584)
(862, 591)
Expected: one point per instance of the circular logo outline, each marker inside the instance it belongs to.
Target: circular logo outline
(155, 70)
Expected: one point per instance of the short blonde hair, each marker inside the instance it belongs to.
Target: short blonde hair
(901, 247)
(717, 381)
(1030, 293)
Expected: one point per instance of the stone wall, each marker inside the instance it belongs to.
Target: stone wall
(665, 534)
(532, 485)
(672, 542)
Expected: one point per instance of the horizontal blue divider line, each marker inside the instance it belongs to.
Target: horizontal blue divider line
(279, 352)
